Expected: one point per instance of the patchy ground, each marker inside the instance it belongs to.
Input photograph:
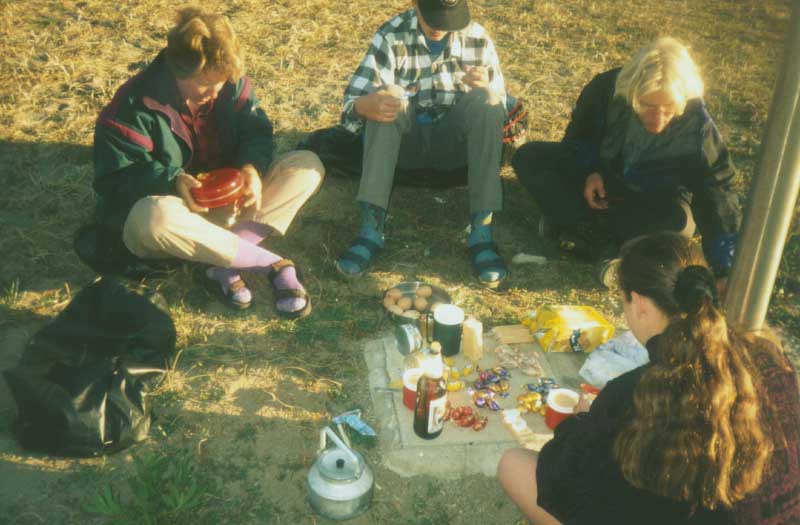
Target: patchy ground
(237, 420)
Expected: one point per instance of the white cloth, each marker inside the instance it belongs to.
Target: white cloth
(613, 358)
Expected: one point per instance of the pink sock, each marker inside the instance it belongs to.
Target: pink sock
(287, 280)
(226, 278)
(252, 232)
(248, 255)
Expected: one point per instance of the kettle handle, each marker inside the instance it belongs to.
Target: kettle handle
(339, 443)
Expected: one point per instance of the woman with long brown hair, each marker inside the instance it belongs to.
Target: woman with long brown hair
(707, 432)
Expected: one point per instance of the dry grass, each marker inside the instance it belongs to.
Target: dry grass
(248, 392)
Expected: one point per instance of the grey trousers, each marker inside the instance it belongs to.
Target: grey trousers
(470, 133)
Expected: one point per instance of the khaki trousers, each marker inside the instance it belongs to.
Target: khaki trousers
(162, 226)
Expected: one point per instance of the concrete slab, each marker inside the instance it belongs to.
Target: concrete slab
(457, 452)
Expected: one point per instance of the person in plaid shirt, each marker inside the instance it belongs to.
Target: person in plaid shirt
(429, 94)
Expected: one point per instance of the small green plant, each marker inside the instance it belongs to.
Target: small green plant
(163, 489)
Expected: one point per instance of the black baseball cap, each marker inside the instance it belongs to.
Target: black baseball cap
(445, 15)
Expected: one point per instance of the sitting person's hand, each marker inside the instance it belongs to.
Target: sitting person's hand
(382, 105)
(252, 187)
(595, 192)
(584, 403)
(477, 77)
(184, 184)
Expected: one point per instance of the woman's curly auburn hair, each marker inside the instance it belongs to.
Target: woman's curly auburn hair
(202, 42)
(700, 432)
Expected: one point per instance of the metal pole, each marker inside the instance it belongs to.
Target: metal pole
(772, 196)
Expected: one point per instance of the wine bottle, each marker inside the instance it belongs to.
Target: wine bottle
(431, 396)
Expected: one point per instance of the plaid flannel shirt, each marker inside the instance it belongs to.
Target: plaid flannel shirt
(399, 55)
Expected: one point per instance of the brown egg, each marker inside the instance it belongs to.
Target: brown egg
(424, 291)
(388, 301)
(394, 293)
(395, 309)
(420, 303)
(405, 303)
(411, 314)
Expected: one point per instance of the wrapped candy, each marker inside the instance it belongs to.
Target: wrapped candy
(465, 417)
(529, 402)
(525, 361)
(543, 386)
(455, 386)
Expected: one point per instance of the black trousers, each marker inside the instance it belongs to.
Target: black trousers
(554, 176)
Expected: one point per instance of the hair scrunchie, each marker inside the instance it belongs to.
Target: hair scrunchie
(694, 284)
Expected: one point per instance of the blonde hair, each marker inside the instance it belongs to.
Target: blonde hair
(662, 65)
(202, 42)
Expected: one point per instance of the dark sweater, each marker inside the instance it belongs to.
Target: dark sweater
(579, 482)
(691, 159)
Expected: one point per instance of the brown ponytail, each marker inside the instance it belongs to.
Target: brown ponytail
(699, 431)
(201, 42)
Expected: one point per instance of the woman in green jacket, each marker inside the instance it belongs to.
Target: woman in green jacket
(189, 112)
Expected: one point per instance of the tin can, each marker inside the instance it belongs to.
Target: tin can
(409, 339)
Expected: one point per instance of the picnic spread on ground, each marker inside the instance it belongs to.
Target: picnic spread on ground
(502, 376)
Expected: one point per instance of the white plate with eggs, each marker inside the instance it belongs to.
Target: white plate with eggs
(405, 302)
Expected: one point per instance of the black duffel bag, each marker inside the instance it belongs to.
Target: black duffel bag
(80, 386)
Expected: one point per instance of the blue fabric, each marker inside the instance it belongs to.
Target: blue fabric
(425, 118)
(481, 232)
(481, 228)
(720, 256)
(436, 46)
(587, 154)
(373, 219)
(511, 101)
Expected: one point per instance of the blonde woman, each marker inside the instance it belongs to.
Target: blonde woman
(641, 154)
(707, 433)
(189, 112)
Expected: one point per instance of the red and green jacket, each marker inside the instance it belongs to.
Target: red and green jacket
(141, 143)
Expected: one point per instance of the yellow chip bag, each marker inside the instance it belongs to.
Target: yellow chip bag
(566, 328)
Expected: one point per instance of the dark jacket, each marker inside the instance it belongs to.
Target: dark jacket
(141, 143)
(579, 482)
(698, 162)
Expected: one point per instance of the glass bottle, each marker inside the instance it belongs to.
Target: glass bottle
(431, 396)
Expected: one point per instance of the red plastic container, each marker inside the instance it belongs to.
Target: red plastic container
(220, 187)
(410, 379)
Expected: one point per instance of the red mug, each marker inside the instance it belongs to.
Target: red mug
(410, 379)
(560, 405)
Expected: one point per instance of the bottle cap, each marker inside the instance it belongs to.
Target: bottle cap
(434, 367)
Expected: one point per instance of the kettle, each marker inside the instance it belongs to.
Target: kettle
(339, 482)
